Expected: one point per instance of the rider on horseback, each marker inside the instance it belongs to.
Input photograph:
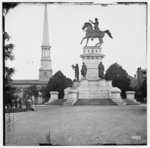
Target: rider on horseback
(94, 33)
(96, 28)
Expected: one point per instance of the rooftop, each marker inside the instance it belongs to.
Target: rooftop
(24, 82)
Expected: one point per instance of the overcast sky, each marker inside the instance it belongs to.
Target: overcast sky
(127, 24)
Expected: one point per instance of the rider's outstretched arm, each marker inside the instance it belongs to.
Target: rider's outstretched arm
(91, 22)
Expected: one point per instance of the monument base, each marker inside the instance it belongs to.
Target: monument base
(93, 89)
(98, 89)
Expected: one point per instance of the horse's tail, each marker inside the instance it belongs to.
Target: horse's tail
(109, 34)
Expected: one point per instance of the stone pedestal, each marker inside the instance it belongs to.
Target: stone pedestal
(66, 91)
(116, 97)
(115, 93)
(92, 56)
(130, 95)
(92, 87)
(72, 97)
(73, 94)
(99, 89)
(54, 96)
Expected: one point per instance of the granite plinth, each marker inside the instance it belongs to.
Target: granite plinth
(130, 95)
(99, 89)
(53, 96)
(93, 89)
(72, 97)
(116, 97)
(91, 86)
(92, 56)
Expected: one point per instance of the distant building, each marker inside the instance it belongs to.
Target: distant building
(141, 75)
(28, 83)
(138, 79)
(45, 71)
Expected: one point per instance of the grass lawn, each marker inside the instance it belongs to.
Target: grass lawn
(78, 125)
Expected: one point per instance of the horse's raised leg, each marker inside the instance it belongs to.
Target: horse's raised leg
(100, 42)
(87, 41)
(82, 40)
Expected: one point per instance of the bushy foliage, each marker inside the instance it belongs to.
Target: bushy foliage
(42, 90)
(31, 91)
(144, 88)
(8, 55)
(58, 82)
(141, 92)
(119, 78)
(9, 90)
(9, 95)
(9, 5)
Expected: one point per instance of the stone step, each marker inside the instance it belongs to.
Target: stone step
(94, 96)
(129, 102)
(95, 102)
(93, 92)
(121, 103)
(67, 104)
(117, 100)
(58, 102)
(89, 97)
(98, 94)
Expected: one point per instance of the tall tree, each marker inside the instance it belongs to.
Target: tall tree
(119, 78)
(144, 88)
(7, 49)
(58, 82)
(141, 92)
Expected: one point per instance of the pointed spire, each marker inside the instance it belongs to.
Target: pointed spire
(45, 29)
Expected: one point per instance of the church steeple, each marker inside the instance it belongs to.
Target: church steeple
(45, 71)
(45, 29)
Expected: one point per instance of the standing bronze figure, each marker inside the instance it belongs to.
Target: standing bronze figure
(101, 70)
(76, 69)
(83, 70)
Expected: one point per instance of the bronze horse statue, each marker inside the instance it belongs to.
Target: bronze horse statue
(90, 33)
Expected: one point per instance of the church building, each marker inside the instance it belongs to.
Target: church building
(45, 70)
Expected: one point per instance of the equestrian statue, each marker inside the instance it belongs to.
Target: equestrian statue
(94, 33)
